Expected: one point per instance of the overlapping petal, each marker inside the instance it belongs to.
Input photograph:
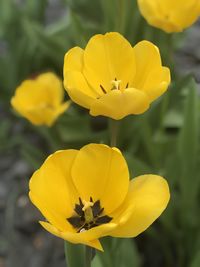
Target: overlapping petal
(147, 198)
(105, 176)
(113, 79)
(52, 189)
(40, 100)
(118, 104)
(168, 15)
(96, 173)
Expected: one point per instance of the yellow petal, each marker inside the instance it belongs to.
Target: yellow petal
(52, 190)
(74, 79)
(78, 89)
(150, 77)
(101, 172)
(118, 104)
(147, 198)
(73, 60)
(44, 115)
(51, 85)
(106, 58)
(71, 237)
(169, 15)
(157, 82)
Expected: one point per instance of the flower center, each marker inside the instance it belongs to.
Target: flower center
(115, 86)
(89, 214)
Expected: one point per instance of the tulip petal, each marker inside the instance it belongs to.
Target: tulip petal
(73, 60)
(52, 190)
(147, 198)
(150, 77)
(71, 237)
(118, 104)
(52, 87)
(101, 172)
(108, 57)
(78, 89)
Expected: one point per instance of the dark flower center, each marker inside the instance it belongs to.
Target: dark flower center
(88, 216)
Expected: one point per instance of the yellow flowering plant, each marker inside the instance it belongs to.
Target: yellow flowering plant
(86, 194)
(40, 100)
(169, 15)
(114, 79)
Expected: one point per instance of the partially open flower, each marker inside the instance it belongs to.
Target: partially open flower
(40, 100)
(86, 194)
(170, 15)
(113, 79)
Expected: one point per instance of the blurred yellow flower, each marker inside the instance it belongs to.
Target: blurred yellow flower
(113, 79)
(40, 100)
(86, 194)
(170, 15)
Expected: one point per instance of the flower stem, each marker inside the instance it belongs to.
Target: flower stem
(88, 256)
(74, 254)
(114, 130)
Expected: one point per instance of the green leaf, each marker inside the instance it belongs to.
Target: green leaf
(196, 260)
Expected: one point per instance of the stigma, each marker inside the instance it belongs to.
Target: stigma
(116, 84)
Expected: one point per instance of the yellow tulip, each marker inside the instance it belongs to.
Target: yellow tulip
(40, 100)
(114, 79)
(86, 194)
(170, 15)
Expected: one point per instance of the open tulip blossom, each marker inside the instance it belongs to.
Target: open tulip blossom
(40, 100)
(169, 15)
(86, 194)
(114, 79)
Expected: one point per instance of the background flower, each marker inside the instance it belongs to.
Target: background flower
(169, 15)
(40, 99)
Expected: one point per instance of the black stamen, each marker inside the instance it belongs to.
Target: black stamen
(78, 210)
(79, 221)
(96, 208)
(75, 221)
(81, 203)
(127, 86)
(104, 91)
(103, 219)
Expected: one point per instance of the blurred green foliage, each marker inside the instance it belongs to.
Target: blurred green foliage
(165, 140)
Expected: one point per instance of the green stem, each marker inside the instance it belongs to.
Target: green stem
(74, 254)
(88, 256)
(114, 130)
(120, 17)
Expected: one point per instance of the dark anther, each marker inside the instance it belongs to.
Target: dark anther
(103, 219)
(81, 203)
(96, 208)
(78, 210)
(127, 85)
(104, 91)
(78, 220)
(115, 79)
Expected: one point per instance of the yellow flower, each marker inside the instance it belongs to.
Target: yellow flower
(113, 79)
(86, 194)
(40, 100)
(170, 15)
